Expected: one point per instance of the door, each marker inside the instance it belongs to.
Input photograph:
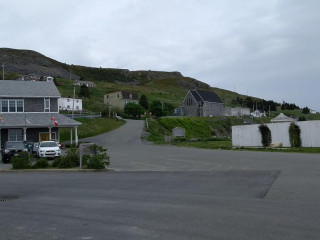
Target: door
(45, 136)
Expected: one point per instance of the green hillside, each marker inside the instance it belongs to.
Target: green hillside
(167, 87)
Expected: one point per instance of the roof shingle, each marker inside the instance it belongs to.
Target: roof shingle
(15, 88)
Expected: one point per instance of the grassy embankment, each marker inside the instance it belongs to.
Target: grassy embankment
(199, 132)
(91, 127)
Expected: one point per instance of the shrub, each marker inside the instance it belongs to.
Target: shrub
(41, 163)
(98, 160)
(265, 135)
(73, 156)
(21, 161)
(294, 135)
(56, 161)
(70, 160)
(65, 163)
(302, 118)
(133, 109)
(179, 139)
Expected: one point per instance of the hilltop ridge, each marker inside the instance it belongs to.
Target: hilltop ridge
(26, 62)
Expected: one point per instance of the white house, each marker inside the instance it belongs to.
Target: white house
(68, 103)
(258, 114)
(240, 111)
(48, 78)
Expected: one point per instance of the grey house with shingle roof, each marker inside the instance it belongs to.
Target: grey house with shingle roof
(203, 104)
(29, 112)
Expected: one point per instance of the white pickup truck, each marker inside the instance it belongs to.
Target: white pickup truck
(48, 149)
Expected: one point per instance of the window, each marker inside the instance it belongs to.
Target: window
(4, 107)
(19, 106)
(12, 105)
(15, 135)
(47, 104)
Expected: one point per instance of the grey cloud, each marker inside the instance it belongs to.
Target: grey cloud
(270, 48)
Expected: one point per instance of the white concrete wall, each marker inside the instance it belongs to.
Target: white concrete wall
(249, 135)
(310, 133)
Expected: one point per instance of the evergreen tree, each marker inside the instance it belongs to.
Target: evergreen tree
(305, 110)
(84, 91)
(143, 101)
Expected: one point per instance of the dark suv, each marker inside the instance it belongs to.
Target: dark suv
(11, 149)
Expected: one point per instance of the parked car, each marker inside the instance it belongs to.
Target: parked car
(48, 149)
(11, 149)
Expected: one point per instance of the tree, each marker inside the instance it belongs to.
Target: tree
(305, 110)
(133, 109)
(156, 108)
(143, 101)
(265, 135)
(84, 91)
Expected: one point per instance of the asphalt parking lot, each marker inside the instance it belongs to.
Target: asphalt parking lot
(166, 192)
(150, 205)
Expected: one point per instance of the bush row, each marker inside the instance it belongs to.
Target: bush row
(294, 135)
(98, 160)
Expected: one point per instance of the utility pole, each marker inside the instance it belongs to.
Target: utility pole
(2, 71)
(269, 110)
(74, 95)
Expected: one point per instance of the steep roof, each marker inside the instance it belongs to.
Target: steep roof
(15, 88)
(282, 118)
(205, 96)
(126, 95)
(196, 95)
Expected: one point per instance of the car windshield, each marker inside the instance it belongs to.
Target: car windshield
(48, 144)
(15, 145)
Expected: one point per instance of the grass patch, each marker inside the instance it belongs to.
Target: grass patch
(288, 150)
(227, 145)
(91, 127)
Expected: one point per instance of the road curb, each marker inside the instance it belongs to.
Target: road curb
(56, 170)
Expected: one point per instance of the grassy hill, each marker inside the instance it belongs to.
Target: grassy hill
(168, 87)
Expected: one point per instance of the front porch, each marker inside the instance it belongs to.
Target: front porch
(36, 127)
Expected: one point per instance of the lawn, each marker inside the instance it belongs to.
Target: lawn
(227, 145)
(91, 127)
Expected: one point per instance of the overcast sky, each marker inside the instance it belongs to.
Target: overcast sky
(268, 49)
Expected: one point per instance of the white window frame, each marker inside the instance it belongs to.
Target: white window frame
(46, 108)
(15, 135)
(15, 105)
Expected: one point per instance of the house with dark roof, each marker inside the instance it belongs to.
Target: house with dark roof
(29, 112)
(121, 98)
(203, 104)
(86, 83)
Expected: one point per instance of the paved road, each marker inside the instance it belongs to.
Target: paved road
(166, 192)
